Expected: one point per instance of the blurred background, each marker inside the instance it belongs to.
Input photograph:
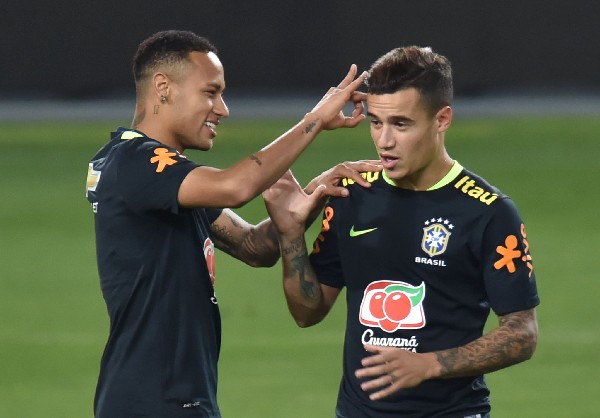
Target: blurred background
(527, 117)
(77, 51)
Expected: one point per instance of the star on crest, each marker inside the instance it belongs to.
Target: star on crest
(446, 222)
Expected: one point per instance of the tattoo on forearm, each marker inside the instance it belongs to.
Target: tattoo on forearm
(512, 342)
(250, 245)
(255, 159)
(224, 237)
(309, 128)
(299, 267)
(308, 289)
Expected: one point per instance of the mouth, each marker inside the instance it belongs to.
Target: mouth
(212, 126)
(388, 161)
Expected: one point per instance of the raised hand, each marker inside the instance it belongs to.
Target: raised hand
(329, 109)
(288, 205)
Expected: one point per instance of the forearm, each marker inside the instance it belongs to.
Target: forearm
(263, 168)
(257, 246)
(512, 342)
(262, 245)
(301, 287)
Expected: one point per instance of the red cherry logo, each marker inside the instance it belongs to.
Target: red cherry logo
(396, 306)
(376, 304)
(387, 325)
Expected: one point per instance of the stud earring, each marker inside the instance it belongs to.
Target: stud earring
(163, 99)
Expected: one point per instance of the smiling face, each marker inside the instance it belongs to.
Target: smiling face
(409, 139)
(195, 103)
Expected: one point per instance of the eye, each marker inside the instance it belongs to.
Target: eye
(375, 122)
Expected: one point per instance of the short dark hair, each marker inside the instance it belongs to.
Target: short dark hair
(413, 67)
(167, 47)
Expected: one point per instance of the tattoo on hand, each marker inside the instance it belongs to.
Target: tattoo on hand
(255, 159)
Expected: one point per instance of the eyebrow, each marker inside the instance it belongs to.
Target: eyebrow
(215, 85)
(392, 119)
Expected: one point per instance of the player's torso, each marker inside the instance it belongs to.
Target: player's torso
(157, 275)
(412, 265)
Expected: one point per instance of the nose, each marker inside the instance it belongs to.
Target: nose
(220, 108)
(384, 138)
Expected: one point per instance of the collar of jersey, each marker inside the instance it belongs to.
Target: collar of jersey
(129, 134)
(452, 174)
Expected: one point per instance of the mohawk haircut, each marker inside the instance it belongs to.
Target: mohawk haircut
(167, 48)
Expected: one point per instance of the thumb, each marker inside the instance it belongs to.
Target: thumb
(318, 193)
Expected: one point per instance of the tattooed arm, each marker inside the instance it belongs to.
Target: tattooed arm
(236, 185)
(512, 342)
(392, 369)
(289, 208)
(255, 245)
(308, 300)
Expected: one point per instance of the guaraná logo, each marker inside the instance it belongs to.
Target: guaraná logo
(392, 305)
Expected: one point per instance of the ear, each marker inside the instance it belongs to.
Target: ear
(160, 85)
(444, 118)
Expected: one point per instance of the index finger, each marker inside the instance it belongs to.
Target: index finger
(357, 83)
(349, 77)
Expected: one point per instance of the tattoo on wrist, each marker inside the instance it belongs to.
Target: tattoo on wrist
(295, 245)
(309, 128)
(255, 159)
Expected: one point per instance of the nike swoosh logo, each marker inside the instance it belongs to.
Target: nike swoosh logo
(354, 233)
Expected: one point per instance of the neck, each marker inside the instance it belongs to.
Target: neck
(428, 176)
(147, 119)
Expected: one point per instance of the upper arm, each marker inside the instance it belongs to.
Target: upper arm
(209, 187)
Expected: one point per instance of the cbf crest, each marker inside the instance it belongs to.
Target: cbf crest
(436, 235)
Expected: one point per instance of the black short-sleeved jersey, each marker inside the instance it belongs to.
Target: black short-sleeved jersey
(422, 270)
(156, 267)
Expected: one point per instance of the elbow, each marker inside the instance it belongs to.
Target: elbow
(305, 322)
(532, 337)
(268, 260)
(527, 342)
(271, 257)
(307, 319)
(239, 198)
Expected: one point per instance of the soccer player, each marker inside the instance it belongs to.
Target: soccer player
(424, 254)
(158, 218)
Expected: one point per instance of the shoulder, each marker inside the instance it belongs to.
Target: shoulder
(477, 189)
(370, 176)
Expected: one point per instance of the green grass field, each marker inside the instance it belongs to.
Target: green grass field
(53, 323)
